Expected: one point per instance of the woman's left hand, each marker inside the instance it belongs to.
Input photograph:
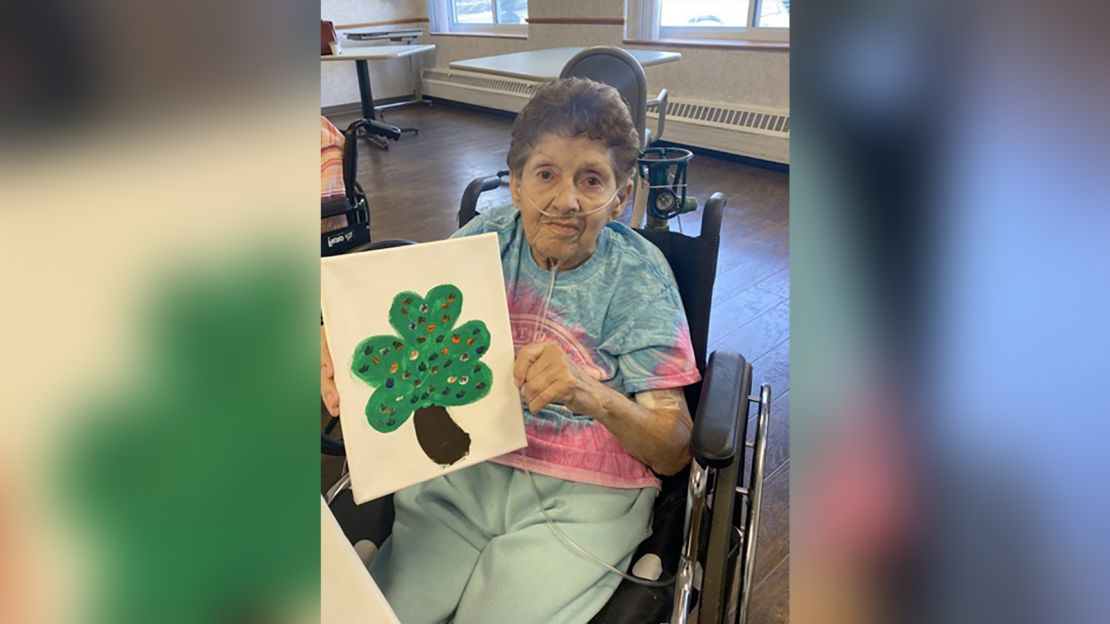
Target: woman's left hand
(545, 375)
(655, 428)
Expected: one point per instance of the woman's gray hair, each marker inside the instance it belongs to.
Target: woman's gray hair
(573, 107)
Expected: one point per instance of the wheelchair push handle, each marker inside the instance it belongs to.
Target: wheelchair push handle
(659, 104)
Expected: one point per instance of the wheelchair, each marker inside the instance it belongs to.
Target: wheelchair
(345, 221)
(706, 517)
(705, 520)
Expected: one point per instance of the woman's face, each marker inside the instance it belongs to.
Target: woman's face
(566, 193)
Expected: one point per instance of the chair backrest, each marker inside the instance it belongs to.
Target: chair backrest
(620, 70)
(345, 220)
(331, 161)
(693, 261)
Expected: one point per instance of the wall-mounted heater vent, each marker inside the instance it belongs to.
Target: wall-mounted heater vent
(482, 81)
(750, 119)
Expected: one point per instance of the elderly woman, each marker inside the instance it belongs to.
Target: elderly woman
(603, 350)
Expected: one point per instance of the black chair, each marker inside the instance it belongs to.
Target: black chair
(351, 212)
(616, 67)
(706, 516)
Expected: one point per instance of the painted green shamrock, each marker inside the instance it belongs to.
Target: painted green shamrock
(427, 366)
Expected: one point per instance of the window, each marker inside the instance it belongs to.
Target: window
(506, 17)
(710, 20)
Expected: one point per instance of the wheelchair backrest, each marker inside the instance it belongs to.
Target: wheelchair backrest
(620, 70)
(345, 218)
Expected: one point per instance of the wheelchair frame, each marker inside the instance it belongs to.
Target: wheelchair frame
(721, 481)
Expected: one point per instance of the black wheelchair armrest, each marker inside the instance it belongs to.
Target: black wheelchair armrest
(468, 207)
(336, 206)
(714, 441)
(720, 428)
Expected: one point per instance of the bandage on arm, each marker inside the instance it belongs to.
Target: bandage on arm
(654, 427)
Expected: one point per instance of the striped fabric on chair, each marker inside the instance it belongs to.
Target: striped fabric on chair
(331, 171)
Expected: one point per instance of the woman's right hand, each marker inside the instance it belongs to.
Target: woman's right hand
(328, 392)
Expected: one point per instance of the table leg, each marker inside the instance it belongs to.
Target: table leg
(365, 94)
(417, 67)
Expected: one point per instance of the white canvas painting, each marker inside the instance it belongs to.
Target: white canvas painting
(423, 355)
(348, 594)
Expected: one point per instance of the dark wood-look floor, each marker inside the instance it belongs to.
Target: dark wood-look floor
(414, 190)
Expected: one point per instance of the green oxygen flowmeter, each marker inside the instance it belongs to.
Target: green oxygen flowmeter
(663, 169)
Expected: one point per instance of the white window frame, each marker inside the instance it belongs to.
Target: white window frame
(642, 17)
(441, 15)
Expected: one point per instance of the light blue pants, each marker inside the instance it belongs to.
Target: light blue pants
(472, 547)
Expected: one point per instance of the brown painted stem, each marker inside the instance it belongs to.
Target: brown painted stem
(442, 440)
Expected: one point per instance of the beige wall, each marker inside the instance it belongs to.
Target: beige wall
(757, 77)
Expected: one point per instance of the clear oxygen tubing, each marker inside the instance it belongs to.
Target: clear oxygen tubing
(580, 213)
(538, 331)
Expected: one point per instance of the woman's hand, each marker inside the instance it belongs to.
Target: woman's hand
(654, 428)
(545, 375)
(328, 392)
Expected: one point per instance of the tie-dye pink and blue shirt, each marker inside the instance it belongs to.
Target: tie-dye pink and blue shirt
(618, 316)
